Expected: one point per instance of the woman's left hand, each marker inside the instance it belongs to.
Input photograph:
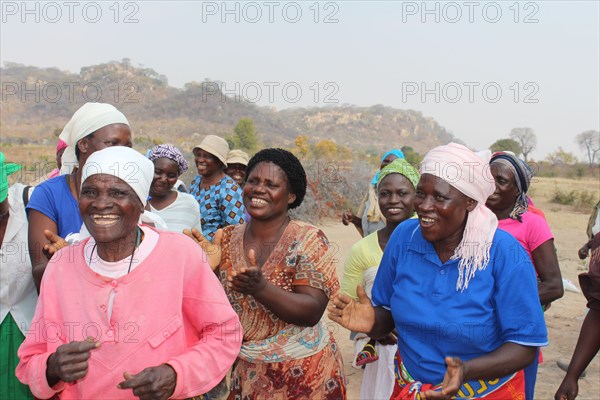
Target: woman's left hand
(153, 383)
(248, 280)
(453, 380)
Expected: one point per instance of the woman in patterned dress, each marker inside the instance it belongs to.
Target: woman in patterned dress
(279, 275)
(219, 195)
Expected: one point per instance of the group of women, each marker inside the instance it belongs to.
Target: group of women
(452, 306)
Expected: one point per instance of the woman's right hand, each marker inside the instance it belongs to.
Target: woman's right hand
(56, 243)
(357, 316)
(70, 361)
(212, 249)
(568, 390)
(584, 251)
(347, 217)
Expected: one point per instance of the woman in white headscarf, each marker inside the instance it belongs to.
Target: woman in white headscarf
(460, 293)
(53, 206)
(104, 338)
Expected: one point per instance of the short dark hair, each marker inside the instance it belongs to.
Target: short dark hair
(291, 167)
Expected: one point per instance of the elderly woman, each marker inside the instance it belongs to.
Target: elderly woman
(395, 193)
(509, 202)
(105, 337)
(369, 218)
(460, 292)
(278, 275)
(17, 291)
(219, 196)
(178, 210)
(53, 204)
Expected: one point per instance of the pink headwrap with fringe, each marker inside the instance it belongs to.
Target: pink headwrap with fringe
(468, 172)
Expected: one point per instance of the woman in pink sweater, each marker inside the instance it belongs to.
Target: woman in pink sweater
(120, 317)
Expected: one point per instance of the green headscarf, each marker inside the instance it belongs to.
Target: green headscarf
(402, 167)
(6, 170)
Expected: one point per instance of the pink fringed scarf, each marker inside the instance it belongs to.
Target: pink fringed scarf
(468, 172)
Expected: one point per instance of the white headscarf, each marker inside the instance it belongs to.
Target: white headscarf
(468, 172)
(88, 119)
(124, 163)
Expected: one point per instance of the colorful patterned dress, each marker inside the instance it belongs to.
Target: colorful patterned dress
(302, 257)
(220, 204)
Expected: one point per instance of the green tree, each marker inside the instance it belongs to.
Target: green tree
(245, 136)
(412, 156)
(506, 145)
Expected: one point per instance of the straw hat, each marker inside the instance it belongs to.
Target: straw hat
(215, 145)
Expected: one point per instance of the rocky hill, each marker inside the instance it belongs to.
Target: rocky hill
(36, 102)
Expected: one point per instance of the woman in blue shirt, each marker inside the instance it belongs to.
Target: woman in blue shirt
(460, 293)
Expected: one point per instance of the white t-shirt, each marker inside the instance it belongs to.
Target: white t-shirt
(183, 213)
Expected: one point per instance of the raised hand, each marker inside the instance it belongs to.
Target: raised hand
(153, 383)
(212, 249)
(453, 380)
(347, 217)
(70, 361)
(248, 280)
(56, 243)
(358, 316)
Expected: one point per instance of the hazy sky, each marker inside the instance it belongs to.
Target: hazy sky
(478, 68)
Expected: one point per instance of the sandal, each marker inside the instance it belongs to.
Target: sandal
(367, 355)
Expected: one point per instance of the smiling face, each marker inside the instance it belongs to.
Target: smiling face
(110, 209)
(166, 172)
(237, 172)
(505, 195)
(206, 163)
(267, 193)
(442, 211)
(395, 195)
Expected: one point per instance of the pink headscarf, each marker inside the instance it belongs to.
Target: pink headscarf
(468, 172)
(60, 145)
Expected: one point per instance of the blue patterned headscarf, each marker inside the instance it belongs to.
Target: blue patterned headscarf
(397, 153)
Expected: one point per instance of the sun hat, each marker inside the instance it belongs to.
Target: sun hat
(215, 145)
(238, 157)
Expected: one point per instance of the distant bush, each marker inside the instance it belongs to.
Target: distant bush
(580, 200)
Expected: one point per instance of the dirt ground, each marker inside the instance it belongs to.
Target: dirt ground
(563, 319)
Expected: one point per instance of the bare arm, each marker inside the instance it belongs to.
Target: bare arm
(39, 222)
(587, 347)
(550, 287)
(361, 316)
(505, 360)
(304, 306)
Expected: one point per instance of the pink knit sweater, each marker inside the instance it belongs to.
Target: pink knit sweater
(170, 309)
